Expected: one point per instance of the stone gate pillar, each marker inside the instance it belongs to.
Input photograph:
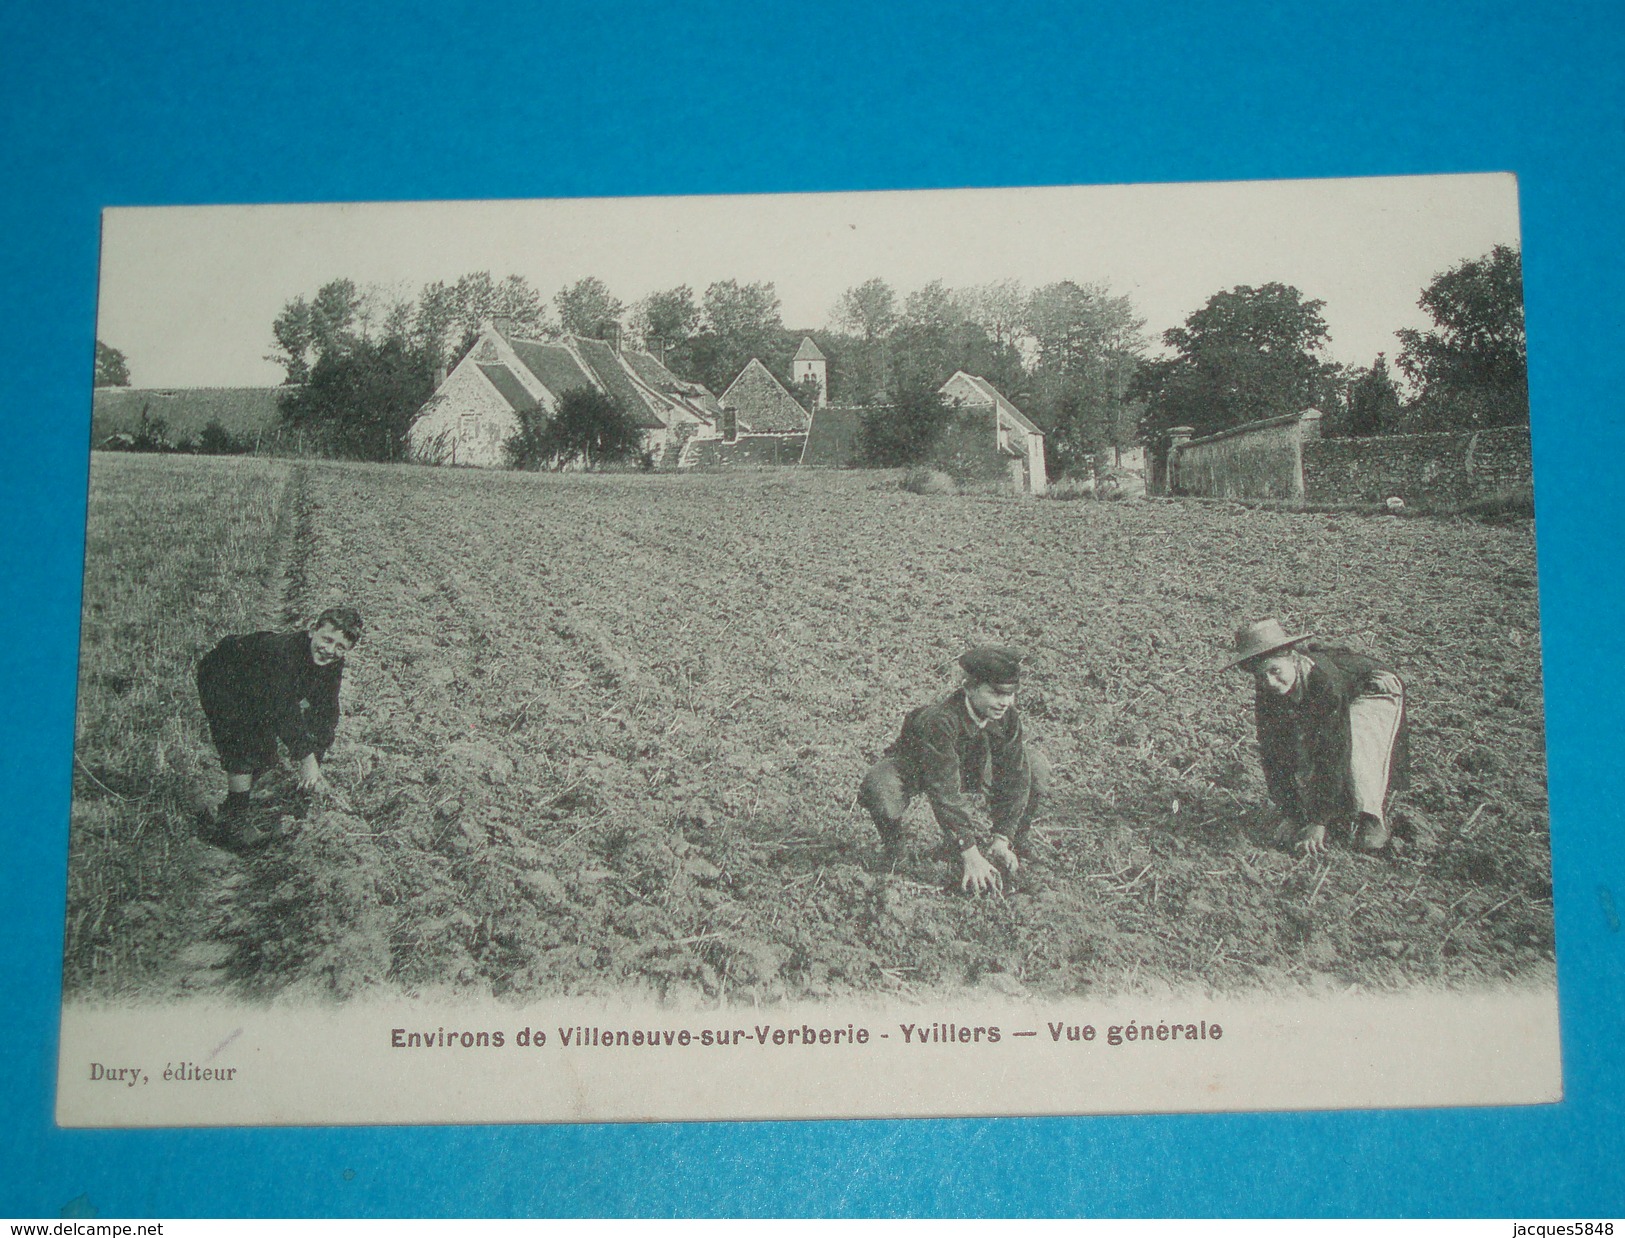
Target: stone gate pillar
(1308, 430)
(1178, 436)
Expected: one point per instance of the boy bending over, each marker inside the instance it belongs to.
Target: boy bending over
(1332, 734)
(971, 742)
(269, 686)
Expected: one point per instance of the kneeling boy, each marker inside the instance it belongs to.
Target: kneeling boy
(269, 686)
(970, 742)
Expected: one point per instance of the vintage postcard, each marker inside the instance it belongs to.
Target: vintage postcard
(1021, 651)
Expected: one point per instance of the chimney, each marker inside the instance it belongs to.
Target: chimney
(503, 325)
(610, 332)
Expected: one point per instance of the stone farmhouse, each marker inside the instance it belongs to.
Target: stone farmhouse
(1000, 425)
(757, 421)
(760, 422)
(478, 405)
(987, 436)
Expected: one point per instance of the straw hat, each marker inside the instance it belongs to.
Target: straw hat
(1262, 636)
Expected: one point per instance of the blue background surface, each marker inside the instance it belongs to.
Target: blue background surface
(187, 102)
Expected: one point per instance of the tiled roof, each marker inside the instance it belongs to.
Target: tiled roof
(243, 411)
(762, 402)
(606, 364)
(648, 367)
(809, 351)
(552, 364)
(991, 395)
(512, 390)
(832, 438)
(780, 449)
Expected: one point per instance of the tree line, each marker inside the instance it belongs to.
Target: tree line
(1074, 356)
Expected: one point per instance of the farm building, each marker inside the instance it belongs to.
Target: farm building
(988, 435)
(247, 414)
(760, 423)
(1016, 440)
(478, 405)
(833, 437)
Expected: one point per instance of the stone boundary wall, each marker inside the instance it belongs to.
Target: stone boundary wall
(1449, 467)
(1259, 460)
(1285, 459)
(747, 449)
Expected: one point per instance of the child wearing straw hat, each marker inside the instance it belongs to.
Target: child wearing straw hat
(1332, 733)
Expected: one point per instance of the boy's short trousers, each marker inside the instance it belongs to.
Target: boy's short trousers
(245, 747)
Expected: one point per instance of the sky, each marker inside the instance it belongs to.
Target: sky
(188, 293)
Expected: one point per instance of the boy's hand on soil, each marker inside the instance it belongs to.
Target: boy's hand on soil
(1001, 853)
(980, 877)
(1313, 840)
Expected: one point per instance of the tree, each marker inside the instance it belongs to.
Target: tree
(358, 403)
(867, 310)
(588, 426)
(306, 331)
(447, 318)
(290, 331)
(1249, 353)
(1472, 369)
(1076, 433)
(112, 370)
(928, 343)
(585, 306)
(216, 440)
(806, 393)
(437, 323)
(1087, 349)
(1373, 401)
(907, 431)
(740, 321)
(868, 313)
(663, 321)
(1000, 308)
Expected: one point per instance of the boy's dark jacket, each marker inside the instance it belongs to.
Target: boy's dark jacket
(259, 681)
(1304, 740)
(942, 754)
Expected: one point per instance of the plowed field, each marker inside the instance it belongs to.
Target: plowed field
(603, 735)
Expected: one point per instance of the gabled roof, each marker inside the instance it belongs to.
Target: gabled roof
(695, 397)
(648, 367)
(554, 366)
(762, 403)
(606, 365)
(808, 350)
(833, 436)
(990, 395)
(510, 388)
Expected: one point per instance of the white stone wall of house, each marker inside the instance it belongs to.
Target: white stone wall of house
(1037, 466)
(1029, 476)
(467, 423)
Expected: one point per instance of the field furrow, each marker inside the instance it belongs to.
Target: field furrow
(604, 732)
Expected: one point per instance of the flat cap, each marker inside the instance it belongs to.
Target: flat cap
(992, 664)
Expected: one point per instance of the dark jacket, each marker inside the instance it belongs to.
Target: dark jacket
(1304, 740)
(943, 754)
(266, 681)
